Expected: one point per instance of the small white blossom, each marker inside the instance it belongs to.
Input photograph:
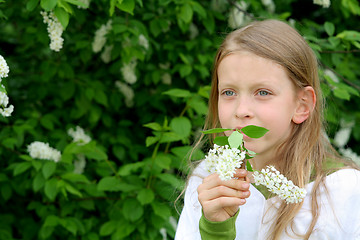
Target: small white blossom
(279, 185)
(4, 68)
(166, 78)
(224, 161)
(237, 17)
(6, 112)
(79, 135)
(128, 72)
(43, 151)
(323, 3)
(349, 153)
(100, 36)
(219, 5)
(163, 233)
(143, 41)
(194, 31)
(332, 75)
(269, 4)
(343, 135)
(128, 93)
(106, 54)
(79, 164)
(55, 30)
(4, 99)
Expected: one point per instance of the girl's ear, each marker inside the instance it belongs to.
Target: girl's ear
(306, 104)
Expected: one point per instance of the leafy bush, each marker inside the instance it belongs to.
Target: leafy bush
(135, 76)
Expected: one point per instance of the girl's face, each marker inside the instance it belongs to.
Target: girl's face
(256, 91)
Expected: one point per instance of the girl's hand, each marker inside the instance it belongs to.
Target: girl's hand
(219, 199)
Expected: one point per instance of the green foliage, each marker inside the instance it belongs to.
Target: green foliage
(139, 144)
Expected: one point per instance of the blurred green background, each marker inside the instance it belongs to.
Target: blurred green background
(135, 76)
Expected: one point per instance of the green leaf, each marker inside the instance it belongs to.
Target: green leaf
(51, 221)
(181, 126)
(161, 210)
(154, 126)
(38, 182)
(126, 6)
(176, 92)
(6, 192)
(253, 131)
(163, 161)
(221, 141)
(249, 167)
(108, 228)
(63, 16)
(31, 5)
(216, 130)
(145, 196)
(69, 188)
(186, 13)
(235, 139)
(48, 169)
(51, 188)
(21, 167)
(132, 209)
(151, 140)
(76, 2)
(329, 28)
(75, 178)
(171, 179)
(48, 5)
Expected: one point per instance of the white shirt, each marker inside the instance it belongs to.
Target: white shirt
(339, 210)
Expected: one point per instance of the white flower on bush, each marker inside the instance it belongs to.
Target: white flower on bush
(106, 54)
(100, 36)
(224, 161)
(5, 111)
(143, 41)
(41, 150)
(79, 135)
(127, 91)
(55, 30)
(269, 4)
(79, 164)
(128, 72)
(323, 3)
(278, 184)
(349, 153)
(236, 16)
(166, 78)
(4, 68)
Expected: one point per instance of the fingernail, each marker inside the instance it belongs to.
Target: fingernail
(245, 185)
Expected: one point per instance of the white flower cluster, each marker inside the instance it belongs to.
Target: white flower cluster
(106, 54)
(100, 36)
(128, 93)
(79, 135)
(55, 30)
(224, 161)
(143, 41)
(269, 4)
(4, 99)
(323, 3)
(79, 164)
(4, 68)
(128, 72)
(42, 150)
(236, 17)
(279, 184)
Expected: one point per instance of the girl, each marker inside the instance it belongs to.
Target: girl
(265, 74)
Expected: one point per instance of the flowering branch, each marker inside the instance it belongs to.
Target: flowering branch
(229, 153)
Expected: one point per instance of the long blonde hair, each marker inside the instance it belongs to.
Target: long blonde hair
(302, 156)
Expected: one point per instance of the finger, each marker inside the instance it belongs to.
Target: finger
(240, 173)
(222, 191)
(222, 202)
(214, 181)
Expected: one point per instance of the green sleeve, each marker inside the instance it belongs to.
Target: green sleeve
(218, 230)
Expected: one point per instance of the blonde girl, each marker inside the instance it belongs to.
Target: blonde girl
(265, 74)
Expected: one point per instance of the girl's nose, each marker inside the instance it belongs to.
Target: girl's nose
(244, 109)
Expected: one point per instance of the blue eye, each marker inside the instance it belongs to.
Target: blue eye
(263, 93)
(229, 93)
